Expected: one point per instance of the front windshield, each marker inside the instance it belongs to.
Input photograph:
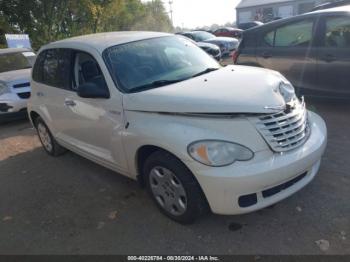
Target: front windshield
(15, 61)
(156, 62)
(202, 36)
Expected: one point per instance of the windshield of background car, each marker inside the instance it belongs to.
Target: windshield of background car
(16, 61)
(155, 61)
(202, 36)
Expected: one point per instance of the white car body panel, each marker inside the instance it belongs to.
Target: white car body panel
(111, 131)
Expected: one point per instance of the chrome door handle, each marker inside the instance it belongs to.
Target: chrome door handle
(40, 94)
(69, 103)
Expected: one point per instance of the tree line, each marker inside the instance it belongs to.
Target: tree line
(50, 20)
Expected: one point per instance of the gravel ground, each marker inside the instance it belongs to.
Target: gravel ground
(69, 205)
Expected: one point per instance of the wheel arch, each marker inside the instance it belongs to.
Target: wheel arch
(33, 116)
(144, 152)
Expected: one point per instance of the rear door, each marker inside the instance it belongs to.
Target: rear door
(289, 48)
(334, 56)
(51, 89)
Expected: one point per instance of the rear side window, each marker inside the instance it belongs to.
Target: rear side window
(337, 32)
(53, 68)
(294, 35)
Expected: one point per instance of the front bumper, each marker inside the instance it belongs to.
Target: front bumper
(278, 174)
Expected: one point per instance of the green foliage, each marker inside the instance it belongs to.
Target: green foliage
(50, 20)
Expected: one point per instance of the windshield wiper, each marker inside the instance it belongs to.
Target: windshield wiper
(208, 70)
(155, 84)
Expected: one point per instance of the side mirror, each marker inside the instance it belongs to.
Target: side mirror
(92, 90)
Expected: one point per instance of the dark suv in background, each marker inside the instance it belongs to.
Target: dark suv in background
(311, 50)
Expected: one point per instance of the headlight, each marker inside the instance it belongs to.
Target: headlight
(287, 91)
(218, 153)
(4, 88)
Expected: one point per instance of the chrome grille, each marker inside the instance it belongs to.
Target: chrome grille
(285, 130)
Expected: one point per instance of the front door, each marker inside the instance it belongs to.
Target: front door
(93, 126)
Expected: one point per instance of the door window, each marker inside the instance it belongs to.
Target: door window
(87, 70)
(338, 32)
(294, 35)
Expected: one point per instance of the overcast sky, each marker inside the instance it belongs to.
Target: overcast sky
(197, 13)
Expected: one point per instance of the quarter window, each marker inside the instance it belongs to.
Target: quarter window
(338, 32)
(294, 35)
(38, 69)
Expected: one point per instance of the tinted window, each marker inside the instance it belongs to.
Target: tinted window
(338, 32)
(296, 34)
(53, 68)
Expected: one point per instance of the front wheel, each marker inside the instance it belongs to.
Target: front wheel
(173, 188)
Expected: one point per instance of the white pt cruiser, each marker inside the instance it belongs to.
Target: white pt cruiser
(156, 108)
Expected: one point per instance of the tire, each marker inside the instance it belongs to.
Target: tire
(173, 188)
(48, 142)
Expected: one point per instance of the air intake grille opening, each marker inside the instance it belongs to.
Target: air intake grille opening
(285, 130)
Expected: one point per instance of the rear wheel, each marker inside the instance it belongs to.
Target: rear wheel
(47, 140)
(173, 188)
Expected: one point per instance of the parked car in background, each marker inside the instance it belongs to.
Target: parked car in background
(227, 44)
(15, 68)
(311, 50)
(211, 49)
(156, 108)
(228, 32)
(248, 25)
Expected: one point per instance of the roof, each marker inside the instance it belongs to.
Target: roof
(345, 8)
(251, 3)
(14, 50)
(101, 41)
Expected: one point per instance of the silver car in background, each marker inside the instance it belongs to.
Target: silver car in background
(15, 70)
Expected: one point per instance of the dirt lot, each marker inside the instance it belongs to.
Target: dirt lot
(69, 205)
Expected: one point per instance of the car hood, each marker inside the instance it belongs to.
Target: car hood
(232, 89)
(12, 76)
